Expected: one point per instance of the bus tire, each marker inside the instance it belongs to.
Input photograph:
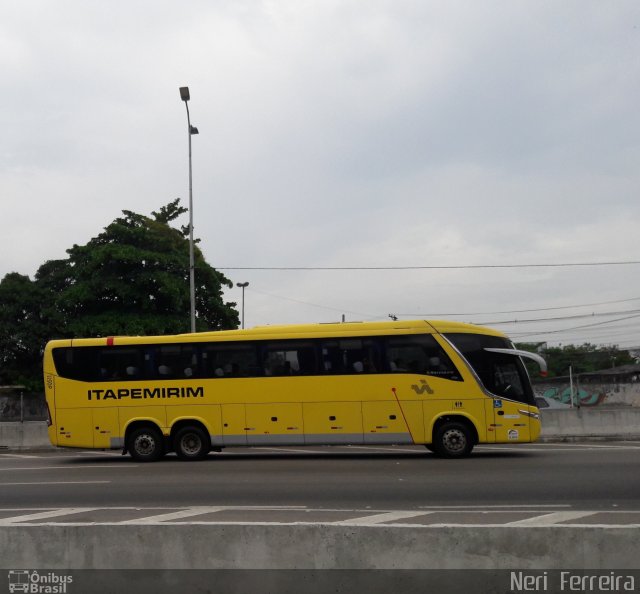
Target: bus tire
(453, 440)
(191, 443)
(146, 444)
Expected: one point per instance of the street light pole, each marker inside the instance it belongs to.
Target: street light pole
(184, 95)
(243, 286)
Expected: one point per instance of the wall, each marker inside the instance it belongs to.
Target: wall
(30, 434)
(592, 394)
(571, 423)
(585, 423)
(317, 546)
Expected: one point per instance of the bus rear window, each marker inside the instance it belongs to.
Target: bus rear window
(77, 363)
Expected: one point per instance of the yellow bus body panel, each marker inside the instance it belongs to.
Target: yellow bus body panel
(333, 422)
(234, 424)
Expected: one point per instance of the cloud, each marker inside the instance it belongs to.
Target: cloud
(335, 133)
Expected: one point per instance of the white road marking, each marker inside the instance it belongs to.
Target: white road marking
(66, 467)
(497, 448)
(553, 518)
(200, 510)
(178, 515)
(421, 526)
(58, 483)
(380, 518)
(526, 507)
(587, 446)
(539, 447)
(45, 515)
(46, 456)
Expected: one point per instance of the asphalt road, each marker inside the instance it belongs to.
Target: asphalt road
(602, 476)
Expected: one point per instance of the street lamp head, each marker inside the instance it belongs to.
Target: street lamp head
(242, 285)
(184, 93)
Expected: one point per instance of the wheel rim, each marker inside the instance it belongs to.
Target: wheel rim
(454, 440)
(191, 444)
(145, 445)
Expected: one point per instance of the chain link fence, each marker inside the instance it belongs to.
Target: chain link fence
(17, 405)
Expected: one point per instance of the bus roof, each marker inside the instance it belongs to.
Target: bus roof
(318, 330)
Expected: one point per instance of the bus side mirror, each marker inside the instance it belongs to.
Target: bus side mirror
(537, 358)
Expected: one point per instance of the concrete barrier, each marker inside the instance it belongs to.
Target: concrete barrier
(318, 546)
(591, 423)
(27, 435)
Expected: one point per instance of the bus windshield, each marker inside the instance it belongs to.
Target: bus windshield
(502, 374)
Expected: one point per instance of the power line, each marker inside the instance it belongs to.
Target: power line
(459, 267)
(629, 332)
(344, 311)
(575, 327)
(628, 329)
(491, 313)
(494, 323)
(559, 318)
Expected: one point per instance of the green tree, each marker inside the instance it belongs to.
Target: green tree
(585, 358)
(131, 279)
(24, 329)
(582, 358)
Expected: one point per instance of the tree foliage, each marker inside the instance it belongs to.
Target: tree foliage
(24, 328)
(582, 358)
(131, 279)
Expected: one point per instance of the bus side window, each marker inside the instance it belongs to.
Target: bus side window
(350, 356)
(419, 354)
(289, 358)
(230, 360)
(176, 361)
(120, 363)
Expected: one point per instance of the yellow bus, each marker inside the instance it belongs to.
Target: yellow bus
(446, 385)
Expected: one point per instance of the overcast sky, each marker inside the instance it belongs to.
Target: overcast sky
(355, 133)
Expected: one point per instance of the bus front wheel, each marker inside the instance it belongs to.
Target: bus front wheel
(145, 444)
(453, 440)
(191, 443)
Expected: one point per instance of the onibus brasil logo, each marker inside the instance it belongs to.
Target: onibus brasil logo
(27, 580)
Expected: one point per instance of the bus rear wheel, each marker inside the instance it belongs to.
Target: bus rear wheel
(145, 444)
(191, 443)
(453, 440)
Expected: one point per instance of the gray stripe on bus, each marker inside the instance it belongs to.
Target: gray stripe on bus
(299, 439)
